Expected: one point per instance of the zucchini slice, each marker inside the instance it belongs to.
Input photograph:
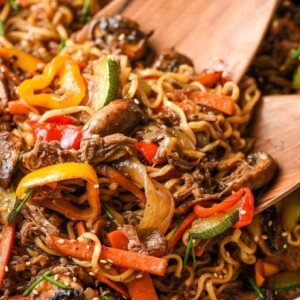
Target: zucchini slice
(205, 228)
(285, 281)
(106, 83)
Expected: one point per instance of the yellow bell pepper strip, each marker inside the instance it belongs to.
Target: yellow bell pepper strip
(23, 60)
(64, 171)
(71, 86)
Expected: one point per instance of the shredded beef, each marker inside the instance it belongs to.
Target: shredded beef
(154, 244)
(10, 148)
(46, 154)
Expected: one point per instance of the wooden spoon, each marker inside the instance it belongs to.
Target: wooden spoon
(207, 31)
(231, 30)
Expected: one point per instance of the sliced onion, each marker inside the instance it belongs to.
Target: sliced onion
(159, 208)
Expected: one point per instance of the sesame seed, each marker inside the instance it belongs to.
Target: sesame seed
(139, 276)
(109, 260)
(74, 279)
(56, 277)
(28, 263)
(67, 283)
(61, 241)
(270, 223)
(35, 292)
(256, 238)
(92, 273)
(6, 268)
(103, 261)
(88, 247)
(227, 253)
(242, 212)
(264, 237)
(215, 275)
(224, 271)
(136, 101)
(284, 233)
(107, 267)
(284, 246)
(96, 186)
(221, 277)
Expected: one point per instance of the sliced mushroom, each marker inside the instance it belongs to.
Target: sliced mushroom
(256, 172)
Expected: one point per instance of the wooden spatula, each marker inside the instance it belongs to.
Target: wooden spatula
(231, 30)
(204, 30)
(276, 127)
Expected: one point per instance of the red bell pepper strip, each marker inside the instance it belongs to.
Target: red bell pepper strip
(7, 240)
(209, 79)
(149, 150)
(246, 209)
(121, 258)
(172, 237)
(139, 288)
(69, 136)
(65, 120)
(203, 212)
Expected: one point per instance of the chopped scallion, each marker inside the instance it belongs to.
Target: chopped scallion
(55, 282)
(188, 250)
(13, 5)
(193, 250)
(176, 228)
(106, 298)
(84, 12)
(296, 54)
(2, 33)
(256, 288)
(61, 45)
(109, 214)
(33, 285)
(18, 207)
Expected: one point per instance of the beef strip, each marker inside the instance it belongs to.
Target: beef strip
(119, 116)
(10, 148)
(96, 150)
(154, 244)
(46, 154)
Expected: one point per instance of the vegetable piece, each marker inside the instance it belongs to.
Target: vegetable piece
(259, 275)
(285, 281)
(157, 213)
(107, 298)
(290, 214)
(63, 120)
(149, 150)
(65, 74)
(139, 288)
(16, 107)
(18, 297)
(229, 202)
(120, 179)
(296, 78)
(6, 244)
(296, 54)
(2, 33)
(121, 258)
(205, 228)
(106, 83)
(85, 11)
(109, 214)
(246, 209)
(270, 269)
(61, 46)
(18, 207)
(35, 283)
(23, 60)
(189, 247)
(55, 282)
(175, 235)
(210, 79)
(8, 200)
(69, 136)
(221, 103)
(64, 171)
(80, 228)
(13, 5)
(199, 251)
(256, 288)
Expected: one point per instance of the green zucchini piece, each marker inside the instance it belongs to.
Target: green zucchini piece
(106, 83)
(296, 78)
(290, 215)
(205, 228)
(285, 281)
(7, 199)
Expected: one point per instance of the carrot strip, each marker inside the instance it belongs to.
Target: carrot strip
(121, 258)
(18, 297)
(258, 269)
(16, 107)
(139, 288)
(120, 288)
(199, 251)
(120, 179)
(186, 223)
(270, 269)
(221, 103)
(80, 228)
(7, 240)
(209, 79)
